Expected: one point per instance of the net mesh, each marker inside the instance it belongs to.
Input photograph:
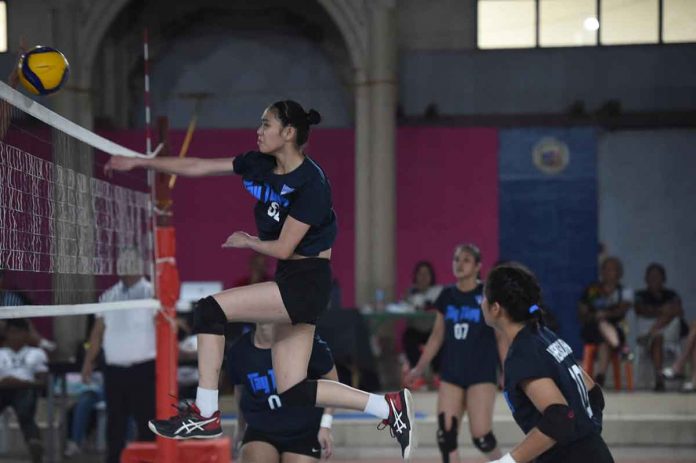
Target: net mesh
(56, 220)
(67, 232)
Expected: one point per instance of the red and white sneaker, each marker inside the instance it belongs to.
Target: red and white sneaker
(401, 420)
(188, 424)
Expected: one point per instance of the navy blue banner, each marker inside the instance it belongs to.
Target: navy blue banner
(548, 214)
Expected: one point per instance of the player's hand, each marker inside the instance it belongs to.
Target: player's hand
(238, 239)
(121, 164)
(13, 78)
(326, 440)
(413, 375)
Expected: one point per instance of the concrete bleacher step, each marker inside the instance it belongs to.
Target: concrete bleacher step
(630, 419)
(638, 418)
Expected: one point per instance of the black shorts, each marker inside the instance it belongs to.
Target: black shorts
(303, 444)
(476, 376)
(587, 449)
(305, 286)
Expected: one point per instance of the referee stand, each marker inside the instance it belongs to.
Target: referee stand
(167, 288)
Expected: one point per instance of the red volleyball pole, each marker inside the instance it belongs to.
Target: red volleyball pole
(168, 294)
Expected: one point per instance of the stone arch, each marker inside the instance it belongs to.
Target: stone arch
(350, 18)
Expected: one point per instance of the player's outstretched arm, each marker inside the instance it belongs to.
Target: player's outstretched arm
(187, 167)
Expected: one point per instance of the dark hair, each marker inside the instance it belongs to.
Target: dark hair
(659, 267)
(290, 112)
(516, 290)
(429, 266)
(615, 260)
(471, 248)
(18, 323)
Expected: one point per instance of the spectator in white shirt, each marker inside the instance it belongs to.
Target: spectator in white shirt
(22, 371)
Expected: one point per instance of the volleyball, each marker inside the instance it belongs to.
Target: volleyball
(43, 70)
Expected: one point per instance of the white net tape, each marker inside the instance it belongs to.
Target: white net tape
(25, 311)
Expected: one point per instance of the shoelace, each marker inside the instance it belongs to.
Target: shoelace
(183, 408)
(384, 424)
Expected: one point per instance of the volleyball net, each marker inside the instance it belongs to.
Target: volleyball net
(67, 231)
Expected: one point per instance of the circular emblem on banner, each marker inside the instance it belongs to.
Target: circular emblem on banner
(550, 155)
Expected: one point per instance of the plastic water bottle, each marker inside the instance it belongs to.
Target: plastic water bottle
(379, 300)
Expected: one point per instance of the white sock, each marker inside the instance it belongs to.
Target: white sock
(207, 401)
(377, 406)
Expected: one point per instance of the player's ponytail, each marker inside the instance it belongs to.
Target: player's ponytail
(292, 113)
(536, 315)
(517, 291)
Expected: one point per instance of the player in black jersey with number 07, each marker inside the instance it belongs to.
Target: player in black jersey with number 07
(297, 225)
(469, 360)
(552, 399)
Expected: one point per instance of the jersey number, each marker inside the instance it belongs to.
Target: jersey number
(274, 402)
(461, 330)
(274, 211)
(576, 374)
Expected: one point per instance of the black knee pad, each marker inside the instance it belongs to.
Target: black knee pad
(446, 440)
(486, 443)
(208, 317)
(302, 394)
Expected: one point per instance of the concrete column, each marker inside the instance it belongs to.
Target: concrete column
(73, 101)
(363, 229)
(109, 81)
(122, 86)
(383, 95)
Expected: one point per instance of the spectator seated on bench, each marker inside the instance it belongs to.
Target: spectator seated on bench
(23, 372)
(658, 316)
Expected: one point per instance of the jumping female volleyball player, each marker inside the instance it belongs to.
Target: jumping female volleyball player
(546, 390)
(469, 359)
(296, 224)
(276, 434)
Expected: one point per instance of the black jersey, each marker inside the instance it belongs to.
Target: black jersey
(541, 354)
(252, 368)
(304, 194)
(469, 351)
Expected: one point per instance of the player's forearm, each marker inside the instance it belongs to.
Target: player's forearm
(272, 248)
(432, 347)
(533, 445)
(187, 167)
